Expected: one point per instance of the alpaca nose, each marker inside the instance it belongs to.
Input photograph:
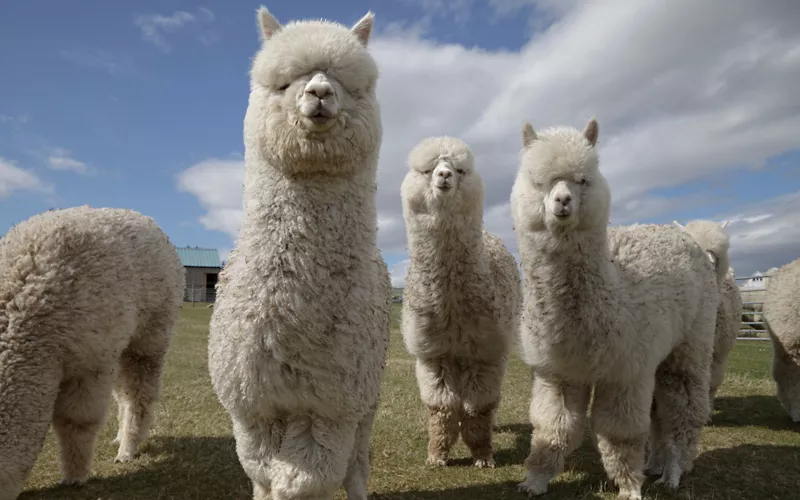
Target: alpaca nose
(319, 86)
(564, 199)
(444, 173)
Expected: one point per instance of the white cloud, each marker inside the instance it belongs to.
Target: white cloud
(765, 234)
(114, 64)
(13, 178)
(217, 185)
(61, 159)
(398, 271)
(683, 91)
(155, 27)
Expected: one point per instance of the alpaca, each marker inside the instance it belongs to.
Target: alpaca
(606, 309)
(88, 301)
(461, 299)
(300, 328)
(711, 238)
(782, 316)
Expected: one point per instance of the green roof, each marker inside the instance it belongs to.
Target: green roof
(199, 257)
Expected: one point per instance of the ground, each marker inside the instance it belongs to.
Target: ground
(750, 451)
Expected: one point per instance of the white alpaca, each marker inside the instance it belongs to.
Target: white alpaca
(782, 315)
(711, 238)
(606, 308)
(88, 301)
(461, 300)
(300, 328)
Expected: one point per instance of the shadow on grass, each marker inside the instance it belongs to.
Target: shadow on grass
(756, 410)
(201, 468)
(747, 472)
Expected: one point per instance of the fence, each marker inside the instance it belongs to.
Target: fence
(196, 294)
(752, 355)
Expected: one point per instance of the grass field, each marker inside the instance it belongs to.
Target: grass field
(750, 451)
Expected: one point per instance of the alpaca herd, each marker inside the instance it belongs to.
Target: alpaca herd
(632, 325)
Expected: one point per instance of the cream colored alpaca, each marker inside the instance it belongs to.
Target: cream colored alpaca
(606, 308)
(711, 238)
(300, 327)
(782, 315)
(461, 299)
(88, 301)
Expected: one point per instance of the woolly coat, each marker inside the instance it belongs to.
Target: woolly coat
(649, 292)
(462, 295)
(710, 237)
(782, 315)
(301, 322)
(460, 307)
(77, 287)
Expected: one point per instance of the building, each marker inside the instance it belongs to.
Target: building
(202, 269)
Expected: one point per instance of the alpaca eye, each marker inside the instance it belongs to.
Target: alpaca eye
(426, 172)
(283, 87)
(460, 171)
(582, 182)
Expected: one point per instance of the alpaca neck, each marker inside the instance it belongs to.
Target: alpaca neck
(447, 249)
(302, 209)
(576, 267)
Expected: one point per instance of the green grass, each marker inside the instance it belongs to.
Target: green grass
(751, 451)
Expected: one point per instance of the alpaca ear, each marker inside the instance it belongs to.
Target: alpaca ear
(528, 134)
(267, 22)
(363, 28)
(678, 224)
(591, 131)
(724, 224)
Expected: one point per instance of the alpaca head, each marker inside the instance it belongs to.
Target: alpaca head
(559, 186)
(312, 105)
(442, 181)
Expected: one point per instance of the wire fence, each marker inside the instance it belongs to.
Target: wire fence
(199, 294)
(752, 355)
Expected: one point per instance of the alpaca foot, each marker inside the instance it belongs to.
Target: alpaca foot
(629, 495)
(534, 484)
(654, 470)
(71, 481)
(669, 481)
(124, 457)
(436, 461)
(485, 463)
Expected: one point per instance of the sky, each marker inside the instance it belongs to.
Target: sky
(140, 105)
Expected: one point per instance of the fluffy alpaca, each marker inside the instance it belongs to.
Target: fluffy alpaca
(782, 316)
(300, 328)
(461, 299)
(712, 238)
(606, 308)
(67, 339)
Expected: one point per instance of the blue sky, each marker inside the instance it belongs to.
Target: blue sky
(106, 104)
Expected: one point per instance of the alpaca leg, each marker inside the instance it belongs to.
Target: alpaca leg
(655, 455)
(558, 416)
(717, 376)
(786, 373)
(442, 434)
(28, 391)
(355, 482)
(682, 402)
(621, 421)
(476, 431)
(79, 414)
(136, 392)
(313, 458)
(257, 441)
(435, 379)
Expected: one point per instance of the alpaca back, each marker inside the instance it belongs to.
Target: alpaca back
(88, 278)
